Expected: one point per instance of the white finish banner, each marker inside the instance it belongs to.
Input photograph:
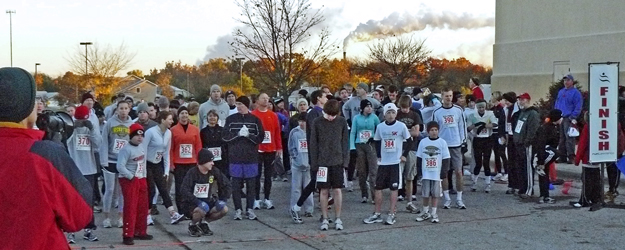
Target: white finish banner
(603, 111)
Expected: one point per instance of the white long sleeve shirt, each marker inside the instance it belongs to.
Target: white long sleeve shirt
(452, 125)
(157, 145)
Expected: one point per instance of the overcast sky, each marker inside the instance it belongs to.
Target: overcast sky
(190, 31)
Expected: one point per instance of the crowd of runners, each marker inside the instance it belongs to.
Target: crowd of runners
(417, 144)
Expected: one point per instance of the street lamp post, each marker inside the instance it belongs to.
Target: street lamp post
(36, 64)
(11, 12)
(86, 65)
(241, 71)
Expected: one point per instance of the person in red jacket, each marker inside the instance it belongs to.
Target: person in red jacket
(474, 84)
(591, 177)
(43, 191)
(185, 146)
(269, 148)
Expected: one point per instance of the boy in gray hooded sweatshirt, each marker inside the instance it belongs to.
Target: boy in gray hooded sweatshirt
(300, 167)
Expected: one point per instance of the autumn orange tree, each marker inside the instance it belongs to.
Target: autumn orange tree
(441, 73)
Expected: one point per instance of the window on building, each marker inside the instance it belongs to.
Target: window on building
(138, 90)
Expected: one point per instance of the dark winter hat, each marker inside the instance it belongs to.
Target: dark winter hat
(82, 112)
(136, 129)
(364, 103)
(17, 94)
(204, 156)
(510, 97)
(303, 92)
(302, 117)
(555, 115)
(244, 100)
(183, 108)
(230, 92)
(86, 96)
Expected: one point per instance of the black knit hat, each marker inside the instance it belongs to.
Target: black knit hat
(555, 115)
(204, 156)
(244, 100)
(86, 96)
(364, 103)
(17, 94)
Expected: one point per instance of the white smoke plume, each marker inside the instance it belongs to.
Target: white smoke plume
(397, 24)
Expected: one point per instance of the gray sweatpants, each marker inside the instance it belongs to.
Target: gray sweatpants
(300, 177)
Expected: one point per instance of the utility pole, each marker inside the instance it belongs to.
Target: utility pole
(86, 65)
(241, 71)
(11, 12)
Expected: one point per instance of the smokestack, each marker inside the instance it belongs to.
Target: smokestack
(344, 55)
(397, 24)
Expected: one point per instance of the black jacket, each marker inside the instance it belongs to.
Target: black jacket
(214, 177)
(243, 150)
(549, 137)
(212, 137)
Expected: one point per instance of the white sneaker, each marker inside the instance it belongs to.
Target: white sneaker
(447, 204)
(414, 198)
(497, 177)
(120, 222)
(256, 205)
(467, 172)
(238, 214)
(400, 198)
(390, 219)
(350, 186)
(150, 221)
(251, 215)
(268, 204)
(374, 218)
(106, 223)
(460, 204)
(71, 239)
(175, 218)
(423, 216)
(324, 225)
(435, 218)
(338, 224)
(487, 189)
(412, 208)
(419, 182)
(505, 177)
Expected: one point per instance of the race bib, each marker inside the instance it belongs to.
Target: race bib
(302, 146)
(159, 157)
(201, 190)
(364, 135)
(221, 123)
(82, 142)
(267, 138)
(508, 126)
(322, 174)
(186, 151)
(216, 153)
(449, 121)
(519, 126)
(389, 145)
(431, 164)
(140, 173)
(119, 144)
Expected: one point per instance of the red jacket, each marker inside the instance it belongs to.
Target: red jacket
(271, 125)
(37, 201)
(477, 93)
(180, 136)
(582, 154)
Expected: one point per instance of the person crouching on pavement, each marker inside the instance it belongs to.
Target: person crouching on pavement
(205, 190)
(132, 172)
(545, 147)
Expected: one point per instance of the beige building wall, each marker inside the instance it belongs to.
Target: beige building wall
(538, 41)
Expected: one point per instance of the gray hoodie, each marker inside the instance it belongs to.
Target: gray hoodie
(222, 108)
(114, 137)
(82, 145)
(298, 149)
(129, 159)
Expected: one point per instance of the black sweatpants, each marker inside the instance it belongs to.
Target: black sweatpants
(482, 148)
(93, 180)
(524, 170)
(543, 181)
(501, 161)
(156, 179)
(264, 163)
(513, 165)
(351, 167)
(614, 176)
(179, 173)
(309, 189)
(250, 184)
(591, 194)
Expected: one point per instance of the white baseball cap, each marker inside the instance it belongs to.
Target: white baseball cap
(390, 106)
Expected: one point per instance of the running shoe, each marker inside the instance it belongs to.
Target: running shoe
(175, 218)
(120, 222)
(460, 204)
(511, 191)
(497, 177)
(487, 189)
(144, 237)
(350, 186)
(97, 209)
(324, 225)
(435, 218)
(268, 204)
(400, 198)
(89, 235)
(238, 214)
(256, 205)
(390, 219)
(150, 221)
(295, 216)
(447, 204)
(308, 214)
(195, 230)
(412, 208)
(154, 210)
(71, 239)
(374, 218)
(338, 224)
(251, 215)
(364, 200)
(205, 228)
(129, 241)
(106, 223)
(548, 200)
(423, 216)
